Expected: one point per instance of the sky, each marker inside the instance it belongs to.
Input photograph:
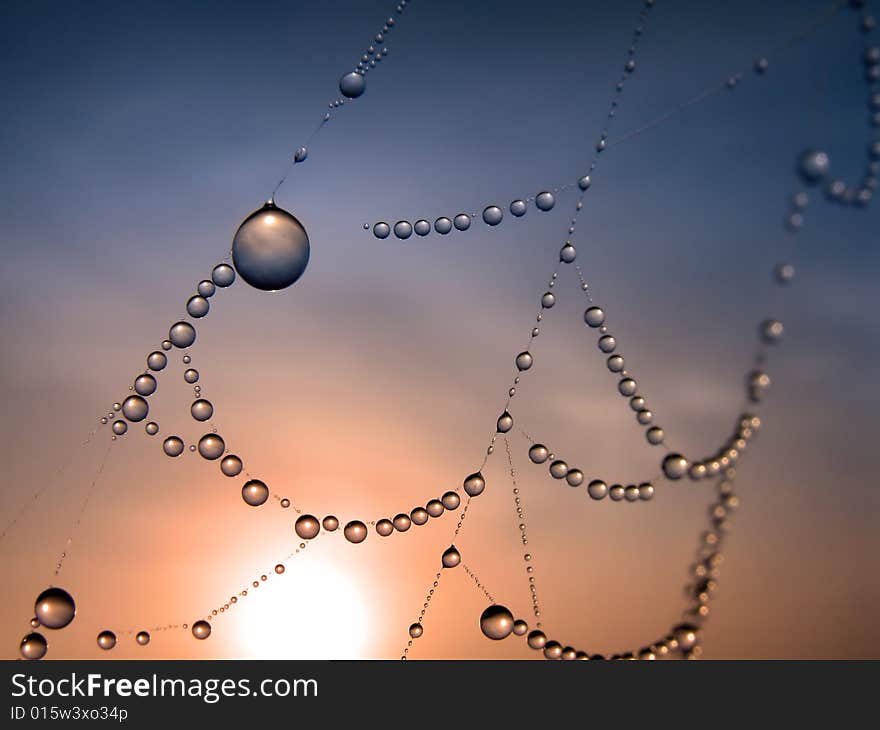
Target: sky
(136, 137)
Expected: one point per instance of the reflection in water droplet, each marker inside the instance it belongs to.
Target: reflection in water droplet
(156, 361)
(524, 361)
(381, 230)
(450, 500)
(223, 275)
(462, 221)
(231, 465)
(145, 384)
(474, 484)
(106, 640)
(451, 557)
(142, 638)
(182, 334)
(191, 376)
(307, 527)
(352, 85)
(270, 249)
(518, 208)
(443, 225)
(201, 629)
(173, 446)
(492, 215)
(54, 608)
(330, 523)
(355, 531)
(545, 201)
(202, 409)
(211, 446)
(135, 408)
(538, 454)
(33, 646)
(496, 622)
(254, 492)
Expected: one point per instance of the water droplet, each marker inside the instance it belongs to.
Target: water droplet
(597, 489)
(496, 622)
(279, 569)
(451, 557)
(54, 608)
(627, 387)
(355, 531)
(301, 154)
(166, 344)
(607, 343)
(584, 182)
(646, 491)
(352, 85)
(594, 316)
(518, 208)
(211, 446)
(152, 428)
(231, 466)
(191, 376)
(135, 408)
(145, 384)
(492, 215)
(771, 331)
(545, 201)
(223, 275)
(548, 300)
(156, 361)
(419, 516)
(474, 484)
(403, 229)
(401, 522)
(330, 523)
(422, 227)
(568, 253)
(119, 427)
(307, 527)
(537, 639)
(173, 446)
(182, 334)
(538, 454)
(504, 423)
(254, 492)
(462, 221)
(270, 249)
(416, 630)
(142, 638)
(524, 361)
(443, 225)
(675, 466)
(106, 640)
(33, 646)
(558, 469)
(201, 409)
(381, 230)
(201, 629)
(450, 500)
(615, 491)
(197, 306)
(813, 166)
(574, 477)
(384, 528)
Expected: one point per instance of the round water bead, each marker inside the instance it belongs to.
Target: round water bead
(416, 630)
(615, 363)
(597, 489)
(451, 557)
(646, 491)
(548, 300)
(206, 288)
(106, 640)
(687, 636)
(496, 622)
(492, 215)
(435, 508)
(201, 409)
(352, 85)
(474, 484)
(450, 500)
(254, 492)
(401, 522)
(504, 423)
(538, 453)
(330, 523)
(166, 345)
(191, 376)
(422, 227)
(524, 361)
(33, 646)
(182, 334)
(584, 182)
(197, 306)
(443, 225)
(574, 477)
(157, 361)
(607, 343)
(536, 639)
(553, 650)
(307, 527)
(771, 331)
(568, 253)
(631, 493)
(301, 154)
(654, 435)
(462, 221)
(615, 491)
(135, 408)
(384, 527)
(381, 230)
(355, 531)
(119, 427)
(54, 608)
(270, 249)
(518, 208)
(145, 384)
(152, 428)
(558, 469)
(419, 516)
(813, 165)
(520, 627)
(173, 446)
(594, 316)
(211, 446)
(223, 275)
(142, 638)
(231, 466)
(627, 387)
(545, 201)
(403, 229)
(201, 629)
(675, 466)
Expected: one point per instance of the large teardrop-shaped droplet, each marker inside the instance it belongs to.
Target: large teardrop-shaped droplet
(270, 249)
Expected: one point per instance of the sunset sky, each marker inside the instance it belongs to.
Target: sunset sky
(137, 136)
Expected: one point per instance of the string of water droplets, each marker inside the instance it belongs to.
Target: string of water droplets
(55, 609)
